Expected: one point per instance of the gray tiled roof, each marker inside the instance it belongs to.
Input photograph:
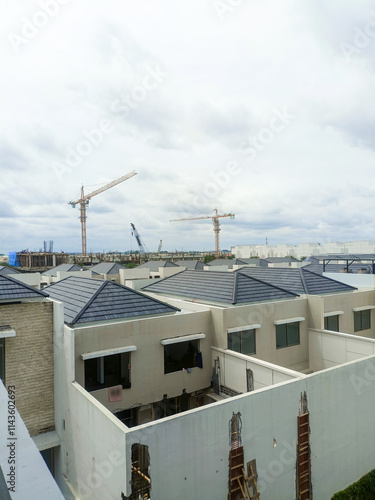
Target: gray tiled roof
(63, 268)
(340, 268)
(214, 286)
(7, 270)
(299, 280)
(154, 265)
(191, 264)
(11, 289)
(107, 268)
(87, 300)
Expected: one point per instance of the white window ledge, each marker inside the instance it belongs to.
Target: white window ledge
(6, 331)
(185, 338)
(288, 320)
(333, 313)
(363, 308)
(243, 328)
(108, 352)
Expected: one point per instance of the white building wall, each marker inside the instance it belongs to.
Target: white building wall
(189, 452)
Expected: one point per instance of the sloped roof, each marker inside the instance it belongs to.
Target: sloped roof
(191, 264)
(279, 260)
(63, 268)
(231, 262)
(154, 265)
(12, 289)
(301, 280)
(107, 268)
(88, 300)
(216, 286)
(7, 270)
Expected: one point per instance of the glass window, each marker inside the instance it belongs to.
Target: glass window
(107, 371)
(181, 355)
(242, 341)
(331, 323)
(287, 334)
(362, 320)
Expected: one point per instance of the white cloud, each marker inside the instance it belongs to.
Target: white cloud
(182, 90)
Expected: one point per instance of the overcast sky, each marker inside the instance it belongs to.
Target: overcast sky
(264, 108)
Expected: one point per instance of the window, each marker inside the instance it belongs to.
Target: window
(180, 355)
(362, 320)
(331, 323)
(287, 334)
(2, 360)
(242, 341)
(107, 371)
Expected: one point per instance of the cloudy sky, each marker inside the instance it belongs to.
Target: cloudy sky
(263, 108)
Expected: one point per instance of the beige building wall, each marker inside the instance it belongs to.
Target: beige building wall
(148, 381)
(264, 314)
(29, 362)
(345, 302)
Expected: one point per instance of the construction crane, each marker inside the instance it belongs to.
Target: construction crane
(142, 250)
(160, 245)
(84, 201)
(215, 220)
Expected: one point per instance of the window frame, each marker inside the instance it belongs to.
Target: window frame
(168, 349)
(360, 315)
(240, 333)
(287, 326)
(328, 319)
(102, 372)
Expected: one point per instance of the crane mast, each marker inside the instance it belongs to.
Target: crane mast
(84, 201)
(138, 238)
(215, 220)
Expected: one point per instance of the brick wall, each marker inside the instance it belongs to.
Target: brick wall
(29, 362)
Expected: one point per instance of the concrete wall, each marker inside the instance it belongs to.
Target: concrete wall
(233, 368)
(95, 444)
(148, 381)
(294, 357)
(31, 279)
(29, 362)
(189, 452)
(133, 274)
(329, 349)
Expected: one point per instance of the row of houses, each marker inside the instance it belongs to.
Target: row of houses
(168, 383)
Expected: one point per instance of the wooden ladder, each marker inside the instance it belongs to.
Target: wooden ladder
(251, 483)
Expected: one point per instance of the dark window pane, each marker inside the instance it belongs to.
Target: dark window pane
(107, 371)
(248, 342)
(366, 319)
(281, 336)
(292, 333)
(357, 321)
(234, 341)
(179, 356)
(331, 323)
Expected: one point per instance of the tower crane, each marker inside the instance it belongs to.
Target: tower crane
(160, 245)
(142, 250)
(84, 201)
(215, 220)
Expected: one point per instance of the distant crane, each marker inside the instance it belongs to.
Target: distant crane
(160, 245)
(141, 246)
(84, 200)
(215, 220)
